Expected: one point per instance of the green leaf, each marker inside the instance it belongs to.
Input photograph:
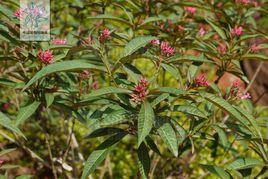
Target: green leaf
(145, 121)
(111, 17)
(136, 44)
(149, 20)
(144, 160)
(216, 171)
(133, 72)
(71, 65)
(104, 131)
(97, 156)
(167, 133)
(222, 136)
(221, 103)
(26, 112)
(170, 90)
(255, 56)
(217, 29)
(244, 163)
(251, 119)
(95, 159)
(113, 118)
(159, 99)
(189, 109)
(172, 70)
(152, 145)
(49, 99)
(107, 90)
(7, 123)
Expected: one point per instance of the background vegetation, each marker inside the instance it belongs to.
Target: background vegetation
(131, 90)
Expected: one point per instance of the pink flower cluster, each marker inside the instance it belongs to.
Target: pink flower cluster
(191, 10)
(201, 80)
(59, 41)
(45, 56)
(236, 92)
(166, 49)
(18, 13)
(237, 31)
(141, 91)
(104, 35)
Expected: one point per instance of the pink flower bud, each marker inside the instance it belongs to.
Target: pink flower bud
(222, 48)
(18, 13)
(255, 48)
(180, 28)
(245, 96)
(202, 31)
(6, 106)
(105, 35)
(155, 42)
(59, 41)
(237, 31)
(95, 84)
(46, 56)
(191, 10)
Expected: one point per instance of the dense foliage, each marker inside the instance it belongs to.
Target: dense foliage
(134, 84)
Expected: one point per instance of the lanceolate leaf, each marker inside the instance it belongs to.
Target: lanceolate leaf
(170, 90)
(26, 112)
(217, 29)
(188, 109)
(7, 123)
(49, 97)
(137, 43)
(111, 17)
(159, 99)
(168, 134)
(244, 163)
(144, 160)
(222, 136)
(255, 56)
(62, 66)
(172, 70)
(97, 156)
(152, 145)
(145, 121)
(107, 90)
(226, 106)
(217, 171)
(104, 131)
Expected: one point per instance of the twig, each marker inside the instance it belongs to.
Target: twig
(254, 77)
(49, 152)
(69, 142)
